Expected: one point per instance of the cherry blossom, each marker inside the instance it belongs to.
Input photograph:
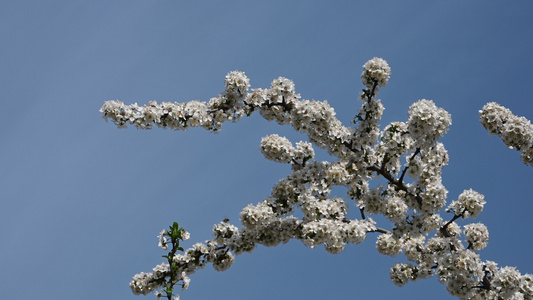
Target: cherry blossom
(406, 158)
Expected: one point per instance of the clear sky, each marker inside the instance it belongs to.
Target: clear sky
(82, 202)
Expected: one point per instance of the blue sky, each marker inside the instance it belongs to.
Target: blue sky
(82, 202)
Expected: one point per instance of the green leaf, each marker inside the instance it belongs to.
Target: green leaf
(169, 290)
(175, 231)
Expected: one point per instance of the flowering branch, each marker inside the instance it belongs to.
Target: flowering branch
(515, 132)
(363, 152)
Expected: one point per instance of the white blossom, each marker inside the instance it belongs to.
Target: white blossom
(515, 132)
(223, 231)
(363, 152)
(186, 281)
(163, 243)
(303, 152)
(255, 215)
(401, 273)
(526, 285)
(356, 230)
(185, 235)
(387, 244)
(477, 235)
(223, 261)
(508, 279)
(375, 71)
(237, 82)
(395, 209)
(276, 148)
(282, 87)
(427, 122)
(433, 196)
(413, 248)
(142, 284)
(437, 246)
(469, 204)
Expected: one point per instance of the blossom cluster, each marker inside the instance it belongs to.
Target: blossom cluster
(407, 156)
(515, 132)
(469, 204)
(193, 259)
(375, 72)
(280, 149)
(228, 106)
(427, 122)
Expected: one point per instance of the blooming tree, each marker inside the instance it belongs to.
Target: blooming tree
(407, 156)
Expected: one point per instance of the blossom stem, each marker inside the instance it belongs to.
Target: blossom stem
(381, 230)
(444, 228)
(396, 182)
(417, 151)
